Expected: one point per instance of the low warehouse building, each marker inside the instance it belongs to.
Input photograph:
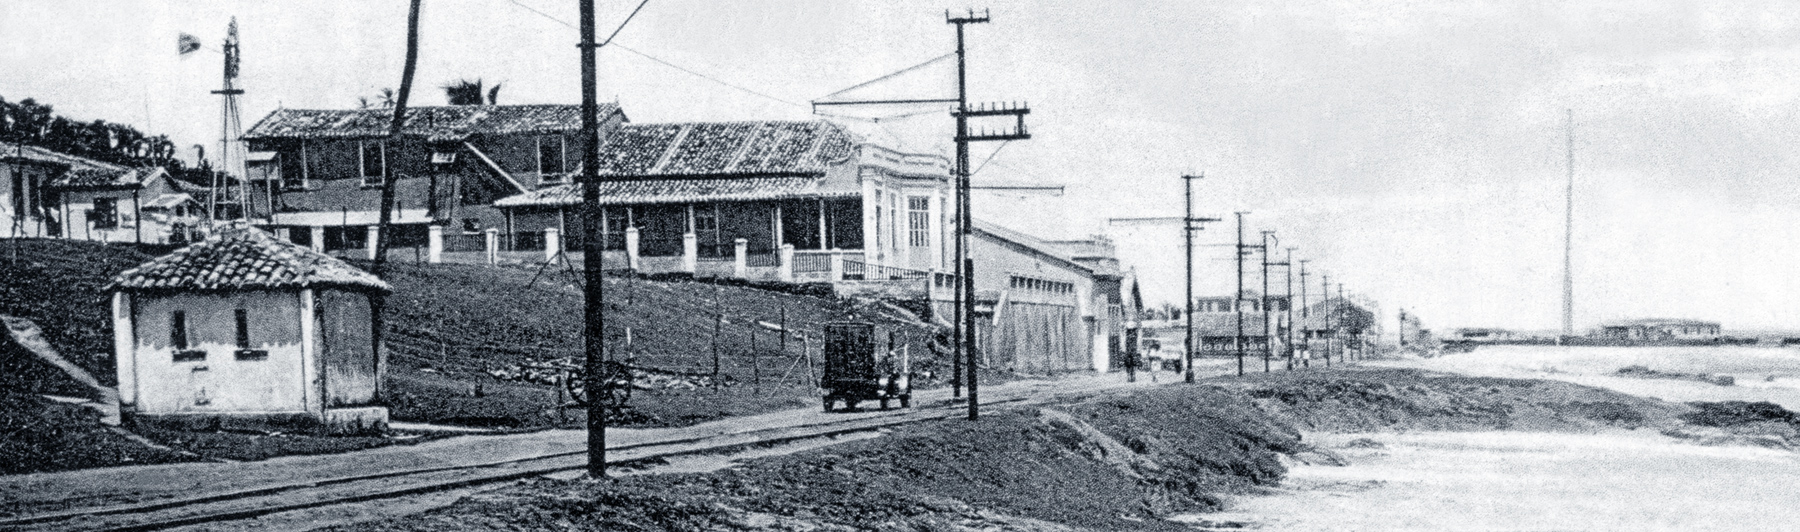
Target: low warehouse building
(244, 328)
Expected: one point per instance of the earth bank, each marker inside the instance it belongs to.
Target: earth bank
(1104, 462)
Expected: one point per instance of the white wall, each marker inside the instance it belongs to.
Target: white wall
(221, 383)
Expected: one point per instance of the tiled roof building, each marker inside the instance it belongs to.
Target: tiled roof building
(435, 124)
(240, 257)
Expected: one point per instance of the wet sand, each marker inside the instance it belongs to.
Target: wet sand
(1510, 480)
(1530, 481)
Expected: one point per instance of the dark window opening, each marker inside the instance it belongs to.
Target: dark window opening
(105, 214)
(178, 330)
(243, 329)
(471, 225)
(551, 160)
(178, 338)
(374, 163)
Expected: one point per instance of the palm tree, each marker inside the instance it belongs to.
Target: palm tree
(465, 92)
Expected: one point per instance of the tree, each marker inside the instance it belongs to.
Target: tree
(465, 92)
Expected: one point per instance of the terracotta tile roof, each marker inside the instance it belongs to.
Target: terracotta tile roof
(769, 148)
(655, 191)
(121, 178)
(71, 162)
(435, 123)
(242, 257)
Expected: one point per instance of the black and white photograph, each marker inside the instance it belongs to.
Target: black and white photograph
(891, 265)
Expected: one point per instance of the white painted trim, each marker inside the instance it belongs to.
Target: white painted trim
(310, 379)
(124, 348)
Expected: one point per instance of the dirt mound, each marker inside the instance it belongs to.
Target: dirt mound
(1106, 463)
(1399, 399)
(1733, 413)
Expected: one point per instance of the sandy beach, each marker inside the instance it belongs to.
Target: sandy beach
(1513, 480)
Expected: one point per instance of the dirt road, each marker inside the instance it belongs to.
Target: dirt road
(49, 492)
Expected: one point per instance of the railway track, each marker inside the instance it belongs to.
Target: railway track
(251, 503)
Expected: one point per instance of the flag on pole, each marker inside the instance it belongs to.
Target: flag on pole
(187, 44)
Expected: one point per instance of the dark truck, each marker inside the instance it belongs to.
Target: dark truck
(855, 371)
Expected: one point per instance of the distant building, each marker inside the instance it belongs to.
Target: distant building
(1036, 306)
(246, 328)
(50, 194)
(689, 192)
(1660, 330)
(1483, 335)
(317, 175)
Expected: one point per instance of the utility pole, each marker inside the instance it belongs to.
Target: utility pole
(1263, 302)
(594, 329)
(1568, 317)
(1189, 227)
(1288, 339)
(1345, 352)
(965, 347)
(1237, 299)
(1305, 342)
(1329, 309)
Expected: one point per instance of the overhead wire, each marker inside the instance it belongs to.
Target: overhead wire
(691, 72)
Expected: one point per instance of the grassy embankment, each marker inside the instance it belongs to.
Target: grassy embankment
(448, 328)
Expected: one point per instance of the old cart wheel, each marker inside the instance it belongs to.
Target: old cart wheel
(613, 392)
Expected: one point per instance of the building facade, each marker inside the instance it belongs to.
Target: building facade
(714, 198)
(244, 328)
(317, 175)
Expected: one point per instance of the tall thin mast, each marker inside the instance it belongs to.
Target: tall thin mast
(1568, 317)
(231, 152)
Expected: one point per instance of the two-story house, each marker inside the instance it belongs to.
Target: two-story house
(687, 196)
(316, 175)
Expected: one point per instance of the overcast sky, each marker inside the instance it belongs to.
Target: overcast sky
(1414, 151)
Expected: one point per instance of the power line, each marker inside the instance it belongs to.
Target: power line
(990, 158)
(708, 78)
(652, 58)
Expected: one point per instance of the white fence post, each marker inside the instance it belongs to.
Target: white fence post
(631, 248)
(373, 240)
(740, 261)
(318, 238)
(491, 240)
(837, 266)
(786, 271)
(552, 243)
(434, 244)
(690, 253)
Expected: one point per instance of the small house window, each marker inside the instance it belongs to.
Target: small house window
(244, 352)
(374, 162)
(105, 214)
(918, 221)
(178, 338)
(471, 225)
(552, 159)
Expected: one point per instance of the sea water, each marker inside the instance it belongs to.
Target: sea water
(1759, 373)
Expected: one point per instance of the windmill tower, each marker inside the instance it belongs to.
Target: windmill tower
(230, 191)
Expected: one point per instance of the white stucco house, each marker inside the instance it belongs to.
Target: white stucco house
(246, 329)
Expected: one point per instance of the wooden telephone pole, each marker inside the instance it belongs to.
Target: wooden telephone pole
(965, 266)
(1190, 225)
